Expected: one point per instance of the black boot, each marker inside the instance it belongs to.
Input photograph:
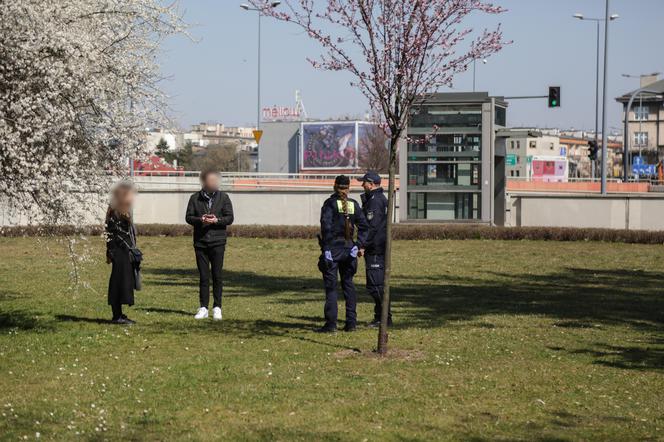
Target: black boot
(350, 327)
(327, 328)
(127, 320)
(117, 313)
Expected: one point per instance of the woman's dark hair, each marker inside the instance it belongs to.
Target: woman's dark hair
(206, 172)
(341, 188)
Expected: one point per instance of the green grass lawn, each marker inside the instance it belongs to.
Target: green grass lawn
(505, 341)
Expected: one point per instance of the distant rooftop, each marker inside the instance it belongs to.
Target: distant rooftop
(460, 98)
(656, 87)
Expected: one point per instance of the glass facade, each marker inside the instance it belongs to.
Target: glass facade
(442, 206)
(444, 177)
(447, 167)
(447, 116)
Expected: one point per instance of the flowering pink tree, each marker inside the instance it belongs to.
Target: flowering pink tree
(398, 51)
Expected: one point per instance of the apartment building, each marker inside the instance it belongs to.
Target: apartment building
(646, 122)
(206, 134)
(522, 144)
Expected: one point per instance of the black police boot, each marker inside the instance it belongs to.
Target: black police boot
(350, 327)
(327, 328)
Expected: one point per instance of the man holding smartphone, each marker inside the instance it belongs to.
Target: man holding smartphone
(209, 211)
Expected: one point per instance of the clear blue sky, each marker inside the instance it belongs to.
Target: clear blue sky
(214, 78)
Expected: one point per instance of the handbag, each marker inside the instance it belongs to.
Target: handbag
(138, 279)
(135, 257)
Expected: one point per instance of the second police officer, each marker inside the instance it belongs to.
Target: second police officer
(340, 219)
(374, 206)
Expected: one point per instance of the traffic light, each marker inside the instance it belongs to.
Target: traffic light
(554, 96)
(592, 150)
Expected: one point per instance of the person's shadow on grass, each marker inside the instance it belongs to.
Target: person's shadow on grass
(165, 311)
(70, 318)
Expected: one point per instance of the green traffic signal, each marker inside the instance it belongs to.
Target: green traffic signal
(554, 96)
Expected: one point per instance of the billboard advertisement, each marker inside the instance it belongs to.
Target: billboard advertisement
(342, 145)
(329, 146)
(550, 169)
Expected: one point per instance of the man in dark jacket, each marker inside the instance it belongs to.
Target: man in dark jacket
(209, 211)
(340, 219)
(374, 206)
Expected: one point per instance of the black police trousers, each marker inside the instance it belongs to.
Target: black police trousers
(210, 257)
(375, 269)
(346, 266)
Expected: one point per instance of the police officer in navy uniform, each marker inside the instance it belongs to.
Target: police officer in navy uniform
(374, 206)
(341, 218)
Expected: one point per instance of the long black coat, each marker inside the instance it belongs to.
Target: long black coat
(120, 235)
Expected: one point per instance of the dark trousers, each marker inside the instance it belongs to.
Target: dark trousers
(117, 310)
(210, 258)
(375, 268)
(345, 266)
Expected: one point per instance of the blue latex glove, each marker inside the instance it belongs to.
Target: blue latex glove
(328, 255)
(354, 251)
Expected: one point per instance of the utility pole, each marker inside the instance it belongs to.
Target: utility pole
(475, 70)
(597, 21)
(246, 7)
(607, 20)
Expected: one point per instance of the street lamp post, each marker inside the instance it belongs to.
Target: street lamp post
(475, 71)
(605, 99)
(246, 7)
(598, 21)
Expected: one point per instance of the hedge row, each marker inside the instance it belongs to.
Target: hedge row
(401, 232)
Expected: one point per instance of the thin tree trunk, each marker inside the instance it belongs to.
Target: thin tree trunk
(382, 330)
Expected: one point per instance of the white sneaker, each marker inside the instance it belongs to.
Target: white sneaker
(202, 313)
(216, 313)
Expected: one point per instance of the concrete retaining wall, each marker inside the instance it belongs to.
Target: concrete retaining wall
(615, 211)
(291, 208)
(163, 200)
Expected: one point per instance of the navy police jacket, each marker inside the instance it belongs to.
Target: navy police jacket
(374, 206)
(333, 224)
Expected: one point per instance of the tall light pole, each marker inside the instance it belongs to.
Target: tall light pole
(246, 7)
(605, 140)
(598, 21)
(475, 70)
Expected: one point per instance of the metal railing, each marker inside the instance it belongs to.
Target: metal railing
(248, 175)
(248, 180)
(579, 180)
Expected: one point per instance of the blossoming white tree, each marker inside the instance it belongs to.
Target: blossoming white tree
(78, 87)
(398, 51)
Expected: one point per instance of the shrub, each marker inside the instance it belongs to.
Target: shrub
(401, 232)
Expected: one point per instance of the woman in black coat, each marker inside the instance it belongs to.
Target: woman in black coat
(120, 241)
